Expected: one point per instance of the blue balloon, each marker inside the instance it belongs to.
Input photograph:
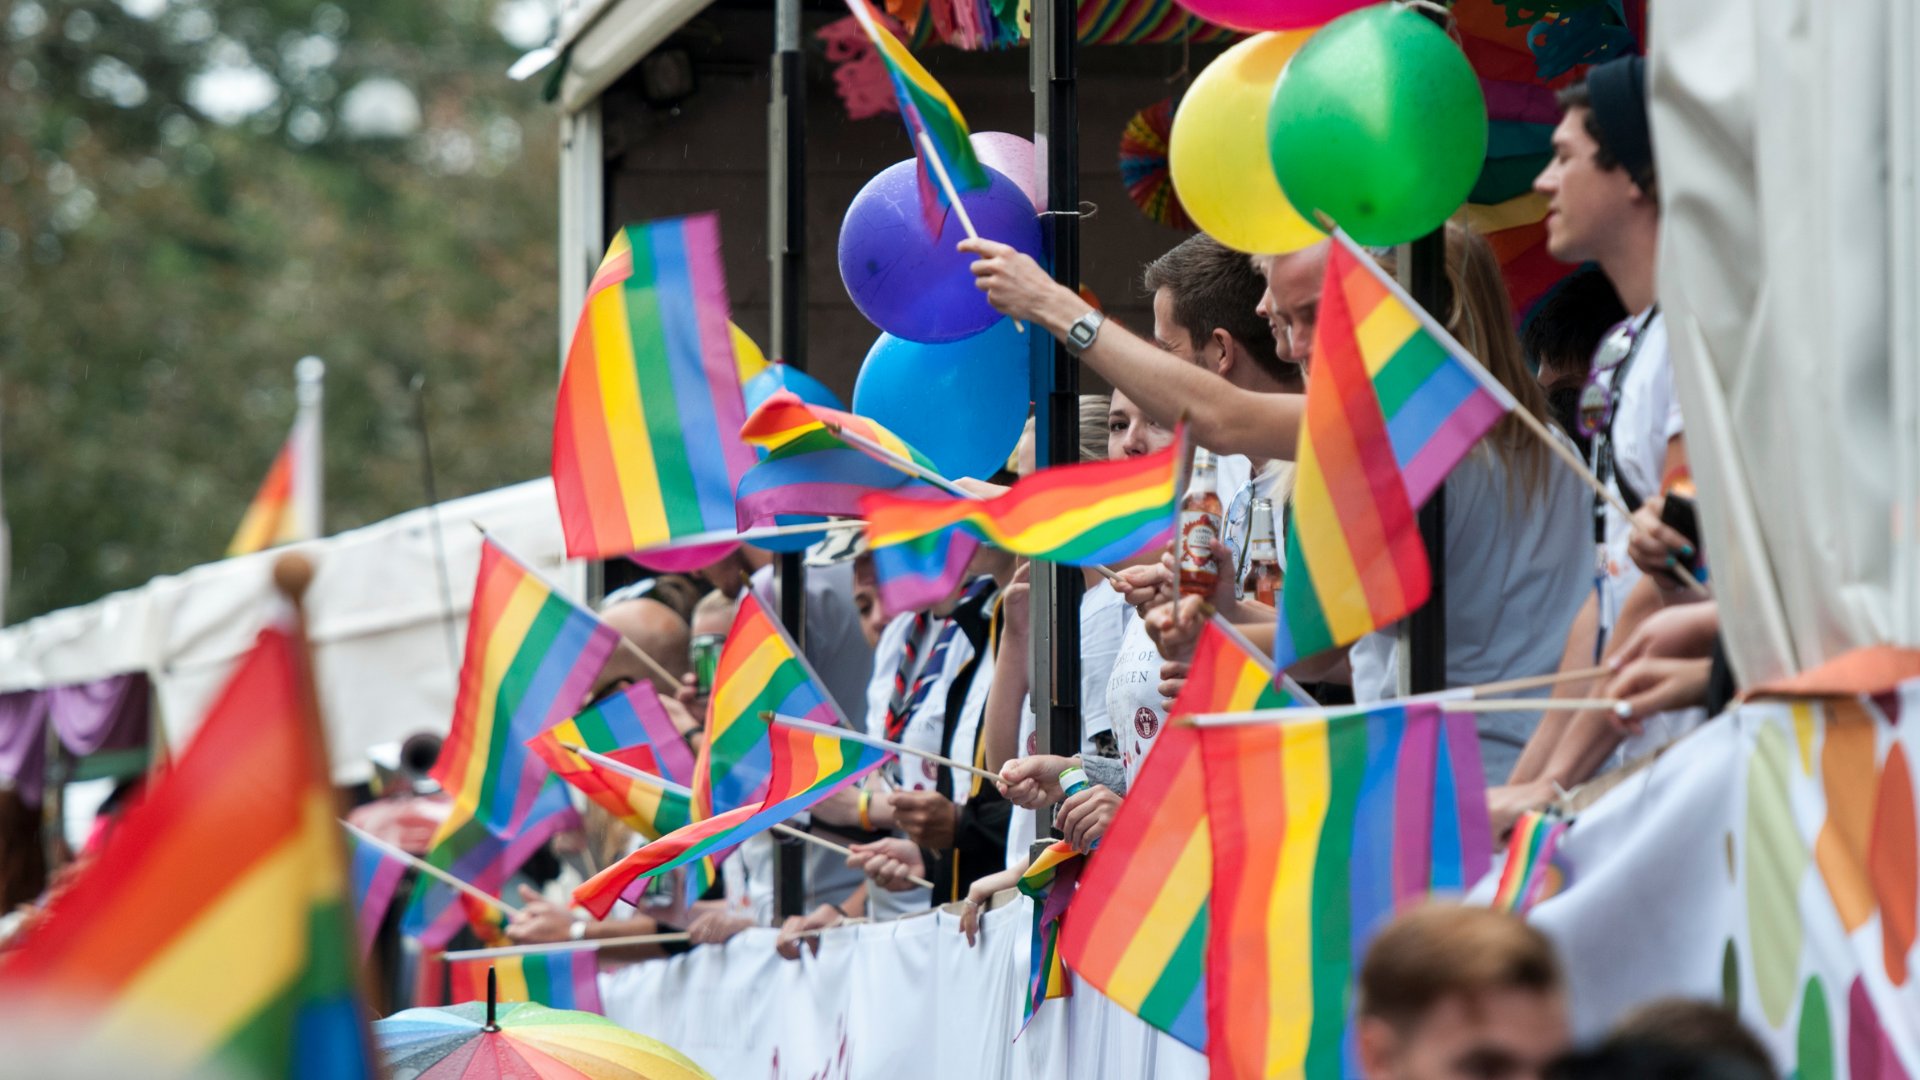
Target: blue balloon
(779, 376)
(962, 404)
(915, 285)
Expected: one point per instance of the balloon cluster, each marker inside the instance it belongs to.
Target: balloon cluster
(1373, 118)
(948, 373)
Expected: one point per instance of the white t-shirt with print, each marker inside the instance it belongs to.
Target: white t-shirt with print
(1134, 703)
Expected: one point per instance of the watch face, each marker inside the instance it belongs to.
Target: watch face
(1081, 334)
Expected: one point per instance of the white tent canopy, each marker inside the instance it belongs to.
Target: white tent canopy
(1784, 133)
(386, 614)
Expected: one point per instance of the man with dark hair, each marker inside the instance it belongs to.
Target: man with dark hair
(1694, 1026)
(1206, 300)
(1449, 992)
(1560, 337)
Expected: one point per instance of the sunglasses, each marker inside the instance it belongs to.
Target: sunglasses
(1599, 395)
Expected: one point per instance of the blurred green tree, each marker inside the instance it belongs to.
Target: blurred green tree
(194, 194)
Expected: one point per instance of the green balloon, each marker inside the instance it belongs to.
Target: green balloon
(1378, 122)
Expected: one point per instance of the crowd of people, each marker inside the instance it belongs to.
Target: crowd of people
(1542, 578)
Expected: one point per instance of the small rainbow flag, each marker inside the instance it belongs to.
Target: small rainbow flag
(923, 571)
(631, 726)
(1530, 848)
(1322, 828)
(1049, 880)
(487, 921)
(558, 980)
(646, 802)
(274, 516)
(927, 109)
(809, 468)
(532, 659)
(213, 933)
(1138, 931)
(1393, 405)
(645, 450)
(1082, 514)
(471, 852)
(759, 671)
(809, 764)
(376, 878)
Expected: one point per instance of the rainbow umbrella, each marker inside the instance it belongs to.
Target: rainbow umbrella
(478, 1039)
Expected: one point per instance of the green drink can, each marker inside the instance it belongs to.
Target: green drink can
(705, 651)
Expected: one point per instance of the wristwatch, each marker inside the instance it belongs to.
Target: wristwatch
(1083, 331)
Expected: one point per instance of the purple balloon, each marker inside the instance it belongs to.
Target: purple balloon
(915, 286)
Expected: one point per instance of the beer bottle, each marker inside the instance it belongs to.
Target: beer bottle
(1199, 528)
(1262, 580)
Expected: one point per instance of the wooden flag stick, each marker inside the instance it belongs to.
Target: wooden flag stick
(430, 870)
(1534, 682)
(664, 784)
(939, 168)
(1454, 704)
(583, 945)
(877, 743)
(1477, 705)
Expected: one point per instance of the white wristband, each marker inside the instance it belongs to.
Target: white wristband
(578, 930)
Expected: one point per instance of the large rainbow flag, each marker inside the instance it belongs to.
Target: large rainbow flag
(532, 660)
(1393, 405)
(928, 110)
(760, 671)
(809, 468)
(808, 765)
(1137, 930)
(1323, 827)
(646, 452)
(213, 932)
(558, 980)
(1082, 514)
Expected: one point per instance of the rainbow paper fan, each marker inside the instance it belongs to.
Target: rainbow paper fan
(1143, 165)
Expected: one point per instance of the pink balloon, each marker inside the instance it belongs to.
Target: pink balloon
(1253, 15)
(1012, 157)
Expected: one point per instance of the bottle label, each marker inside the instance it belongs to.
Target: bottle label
(1198, 531)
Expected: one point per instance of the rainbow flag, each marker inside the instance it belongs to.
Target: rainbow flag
(1393, 404)
(759, 671)
(1082, 514)
(471, 852)
(532, 659)
(375, 877)
(928, 110)
(558, 980)
(620, 783)
(1049, 880)
(1530, 847)
(632, 726)
(809, 468)
(808, 765)
(923, 571)
(274, 516)
(1322, 828)
(487, 921)
(213, 933)
(1138, 930)
(645, 450)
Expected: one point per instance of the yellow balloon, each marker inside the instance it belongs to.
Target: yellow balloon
(746, 355)
(1218, 156)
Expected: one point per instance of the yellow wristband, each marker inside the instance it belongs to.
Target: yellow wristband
(866, 804)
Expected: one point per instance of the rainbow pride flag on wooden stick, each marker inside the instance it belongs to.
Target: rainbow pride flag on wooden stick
(812, 467)
(929, 111)
(1082, 514)
(808, 765)
(1323, 826)
(213, 933)
(1137, 930)
(646, 451)
(1394, 403)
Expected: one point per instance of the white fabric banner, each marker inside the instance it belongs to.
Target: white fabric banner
(1767, 860)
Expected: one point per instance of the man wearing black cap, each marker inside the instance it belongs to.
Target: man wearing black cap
(1603, 207)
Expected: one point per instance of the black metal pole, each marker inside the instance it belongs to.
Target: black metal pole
(787, 251)
(1427, 627)
(1056, 377)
